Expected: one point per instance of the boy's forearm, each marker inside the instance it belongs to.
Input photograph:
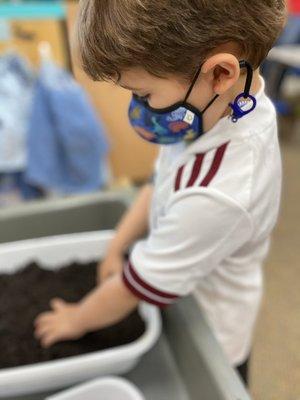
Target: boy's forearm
(106, 305)
(134, 223)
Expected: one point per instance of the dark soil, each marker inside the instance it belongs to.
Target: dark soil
(27, 293)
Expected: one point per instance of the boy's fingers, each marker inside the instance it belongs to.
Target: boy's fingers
(57, 303)
(50, 339)
(41, 331)
(43, 318)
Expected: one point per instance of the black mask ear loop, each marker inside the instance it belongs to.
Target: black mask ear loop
(192, 87)
(192, 84)
(238, 112)
(245, 64)
(237, 105)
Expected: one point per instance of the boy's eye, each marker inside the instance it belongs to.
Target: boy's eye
(144, 97)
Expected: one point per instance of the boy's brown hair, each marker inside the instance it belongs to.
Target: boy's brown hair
(172, 36)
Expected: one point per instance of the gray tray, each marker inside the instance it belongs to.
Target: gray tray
(187, 363)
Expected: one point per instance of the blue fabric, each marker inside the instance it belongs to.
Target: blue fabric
(15, 181)
(28, 191)
(16, 83)
(66, 141)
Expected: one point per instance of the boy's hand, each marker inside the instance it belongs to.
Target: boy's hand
(104, 306)
(111, 265)
(62, 323)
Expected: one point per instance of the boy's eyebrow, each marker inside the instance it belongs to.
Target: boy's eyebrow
(129, 88)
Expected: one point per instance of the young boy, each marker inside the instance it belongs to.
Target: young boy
(193, 66)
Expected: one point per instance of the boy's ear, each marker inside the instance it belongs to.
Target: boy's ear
(223, 71)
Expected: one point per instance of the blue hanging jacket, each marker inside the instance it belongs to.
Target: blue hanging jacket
(67, 144)
(16, 83)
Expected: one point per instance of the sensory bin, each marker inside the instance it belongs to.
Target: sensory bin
(27, 293)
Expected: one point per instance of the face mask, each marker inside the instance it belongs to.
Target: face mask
(182, 121)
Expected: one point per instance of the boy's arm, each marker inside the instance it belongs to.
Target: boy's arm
(104, 306)
(133, 226)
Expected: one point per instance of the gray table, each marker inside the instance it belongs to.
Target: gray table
(187, 362)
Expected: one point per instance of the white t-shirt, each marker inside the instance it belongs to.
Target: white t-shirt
(214, 206)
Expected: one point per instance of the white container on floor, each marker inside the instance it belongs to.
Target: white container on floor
(101, 389)
(54, 252)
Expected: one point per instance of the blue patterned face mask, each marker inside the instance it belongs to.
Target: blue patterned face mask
(181, 121)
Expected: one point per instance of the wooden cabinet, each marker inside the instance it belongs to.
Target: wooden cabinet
(27, 34)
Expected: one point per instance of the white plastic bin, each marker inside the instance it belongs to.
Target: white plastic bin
(54, 252)
(102, 389)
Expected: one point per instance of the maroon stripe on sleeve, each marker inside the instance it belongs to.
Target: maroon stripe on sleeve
(141, 295)
(196, 169)
(143, 290)
(146, 286)
(215, 165)
(178, 178)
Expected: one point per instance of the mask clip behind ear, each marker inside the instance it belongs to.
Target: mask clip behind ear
(244, 103)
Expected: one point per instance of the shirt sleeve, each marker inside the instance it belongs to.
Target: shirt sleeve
(200, 228)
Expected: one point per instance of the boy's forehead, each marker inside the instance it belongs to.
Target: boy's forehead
(134, 79)
(138, 79)
(128, 87)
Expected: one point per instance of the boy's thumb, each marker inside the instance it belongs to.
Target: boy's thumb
(56, 303)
